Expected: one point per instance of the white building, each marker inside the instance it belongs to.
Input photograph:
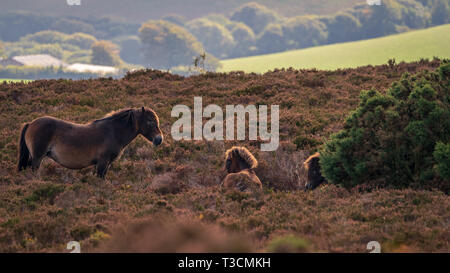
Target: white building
(42, 60)
(99, 69)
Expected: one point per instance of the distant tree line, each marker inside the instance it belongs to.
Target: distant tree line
(254, 29)
(70, 48)
(262, 30)
(173, 41)
(15, 25)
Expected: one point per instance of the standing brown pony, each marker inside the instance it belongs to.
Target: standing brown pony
(240, 165)
(76, 146)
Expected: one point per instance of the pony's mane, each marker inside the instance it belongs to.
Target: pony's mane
(115, 115)
(306, 163)
(243, 153)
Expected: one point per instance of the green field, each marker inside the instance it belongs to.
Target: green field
(13, 80)
(410, 46)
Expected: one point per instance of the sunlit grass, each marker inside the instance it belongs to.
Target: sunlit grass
(410, 46)
(14, 80)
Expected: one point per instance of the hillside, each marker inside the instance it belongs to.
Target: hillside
(410, 46)
(171, 193)
(12, 80)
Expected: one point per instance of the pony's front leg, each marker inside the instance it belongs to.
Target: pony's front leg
(36, 163)
(102, 168)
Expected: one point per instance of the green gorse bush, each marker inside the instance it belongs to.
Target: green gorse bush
(397, 139)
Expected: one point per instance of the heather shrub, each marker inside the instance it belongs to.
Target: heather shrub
(280, 170)
(44, 192)
(167, 235)
(396, 138)
(288, 244)
(167, 183)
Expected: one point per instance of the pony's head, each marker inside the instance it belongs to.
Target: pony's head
(148, 126)
(312, 168)
(238, 159)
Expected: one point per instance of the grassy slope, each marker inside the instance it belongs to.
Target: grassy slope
(14, 80)
(410, 46)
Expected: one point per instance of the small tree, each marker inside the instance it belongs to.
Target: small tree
(105, 53)
(245, 40)
(81, 40)
(165, 45)
(45, 37)
(414, 14)
(271, 40)
(381, 20)
(70, 26)
(130, 49)
(343, 27)
(304, 31)
(256, 16)
(396, 139)
(204, 63)
(216, 38)
(440, 12)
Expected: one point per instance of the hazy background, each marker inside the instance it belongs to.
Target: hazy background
(197, 35)
(141, 10)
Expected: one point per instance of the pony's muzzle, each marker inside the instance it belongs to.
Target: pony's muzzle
(157, 140)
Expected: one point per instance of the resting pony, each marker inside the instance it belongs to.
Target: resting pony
(240, 165)
(312, 168)
(76, 146)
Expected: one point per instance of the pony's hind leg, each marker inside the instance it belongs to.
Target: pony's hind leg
(40, 142)
(38, 154)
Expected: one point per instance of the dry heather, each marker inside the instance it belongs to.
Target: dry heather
(173, 189)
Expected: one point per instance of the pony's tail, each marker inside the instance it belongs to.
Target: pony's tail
(24, 153)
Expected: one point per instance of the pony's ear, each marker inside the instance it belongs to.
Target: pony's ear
(143, 114)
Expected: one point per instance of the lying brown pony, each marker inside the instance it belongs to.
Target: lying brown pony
(240, 165)
(77, 146)
(312, 168)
